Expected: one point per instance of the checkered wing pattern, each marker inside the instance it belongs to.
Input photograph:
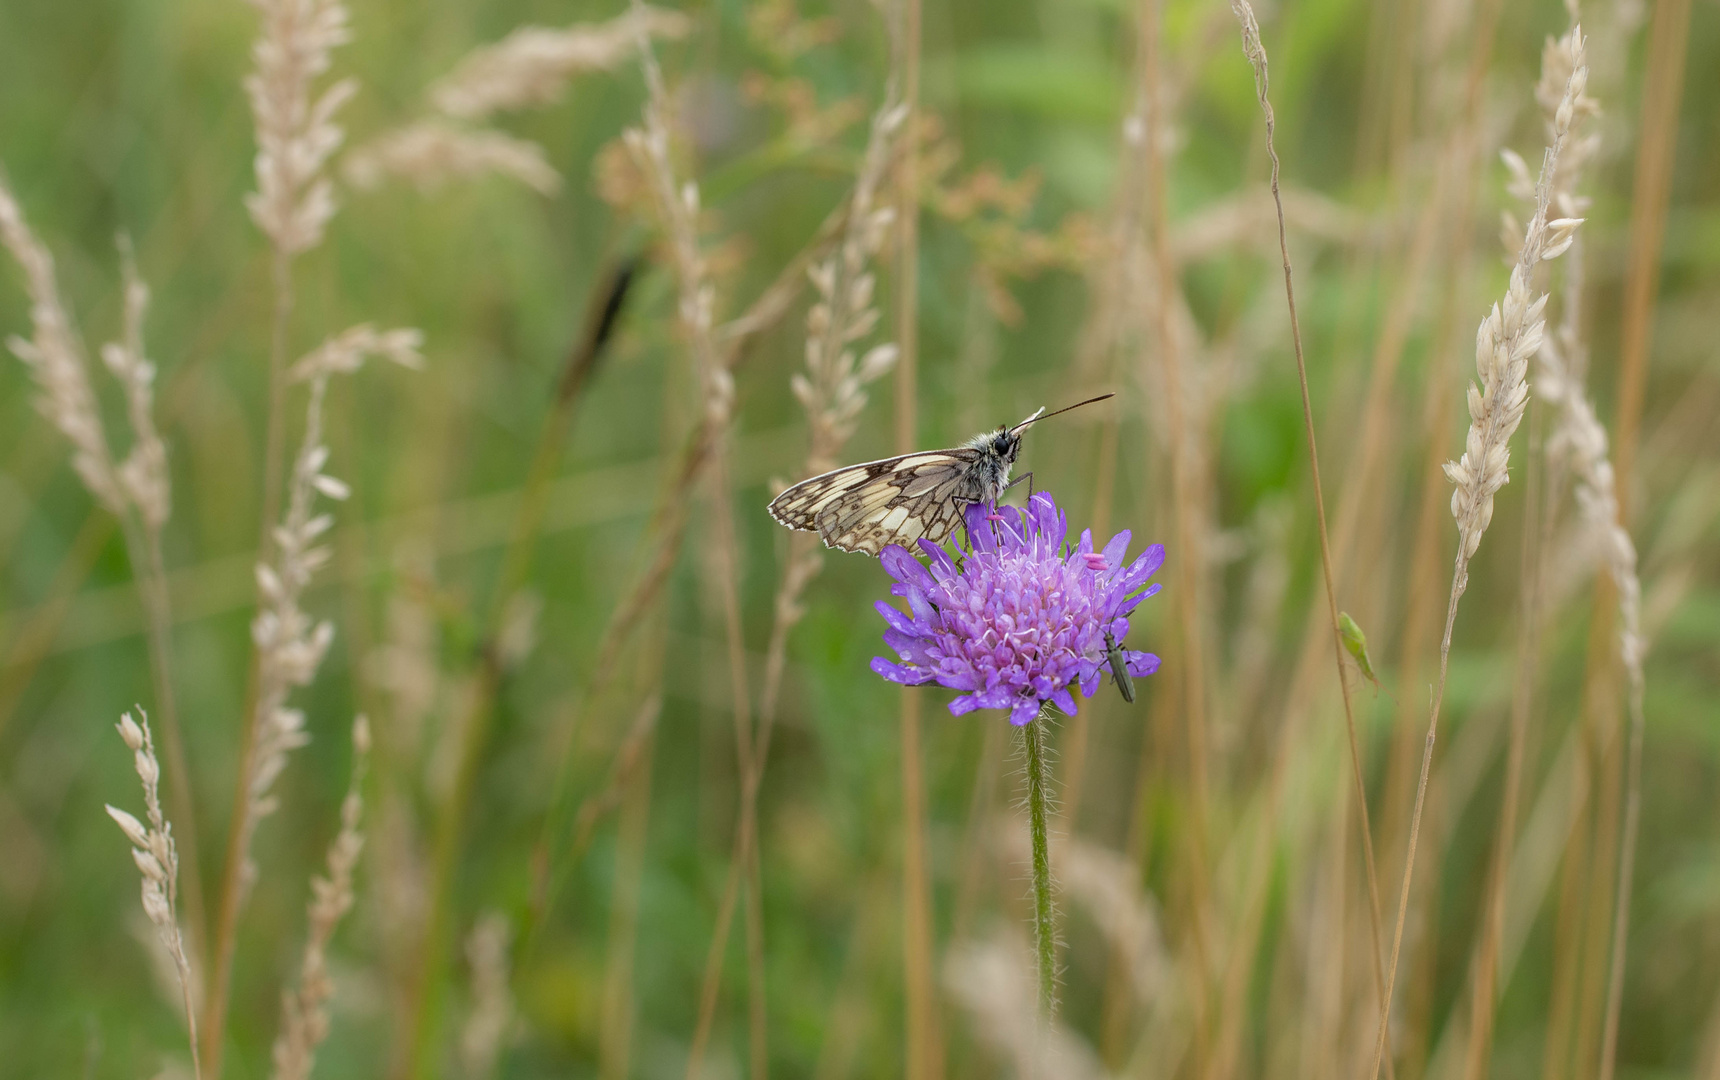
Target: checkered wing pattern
(898, 500)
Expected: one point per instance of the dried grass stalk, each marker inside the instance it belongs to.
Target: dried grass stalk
(832, 393)
(304, 1010)
(138, 484)
(1506, 339)
(143, 473)
(431, 153)
(832, 389)
(994, 982)
(1555, 383)
(1105, 884)
(158, 861)
(290, 645)
(56, 361)
(1579, 446)
(295, 133)
(292, 205)
(677, 205)
(1255, 51)
(532, 65)
(491, 1012)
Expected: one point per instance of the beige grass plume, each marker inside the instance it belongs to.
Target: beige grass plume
(1507, 338)
(56, 360)
(158, 861)
(678, 204)
(304, 1009)
(490, 1015)
(290, 644)
(1579, 444)
(143, 473)
(1510, 334)
(430, 153)
(993, 982)
(1579, 441)
(296, 134)
(532, 65)
(832, 390)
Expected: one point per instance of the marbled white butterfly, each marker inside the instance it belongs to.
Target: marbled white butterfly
(898, 500)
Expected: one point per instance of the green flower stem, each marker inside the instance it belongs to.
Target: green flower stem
(1044, 933)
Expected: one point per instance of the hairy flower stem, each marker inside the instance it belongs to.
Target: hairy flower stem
(1038, 809)
(1044, 927)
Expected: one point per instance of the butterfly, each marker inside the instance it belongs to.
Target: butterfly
(898, 500)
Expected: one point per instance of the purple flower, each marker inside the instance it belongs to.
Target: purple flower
(1018, 620)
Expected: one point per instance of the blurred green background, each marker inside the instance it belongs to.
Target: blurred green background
(119, 116)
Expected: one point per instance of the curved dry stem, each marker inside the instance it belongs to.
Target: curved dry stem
(1184, 501)
(219, 963)
(1459, 579)
(1256, 53)
(1484, 988)
(1653, 182)
(924, 1049)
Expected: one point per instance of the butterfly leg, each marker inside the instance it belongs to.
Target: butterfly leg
(1027, 476)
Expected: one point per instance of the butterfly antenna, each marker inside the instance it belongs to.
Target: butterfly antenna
(1043, 415)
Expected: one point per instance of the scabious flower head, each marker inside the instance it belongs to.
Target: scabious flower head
(1019, 619)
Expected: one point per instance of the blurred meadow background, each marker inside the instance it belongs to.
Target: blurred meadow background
(632, 802)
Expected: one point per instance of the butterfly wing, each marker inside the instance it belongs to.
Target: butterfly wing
(897, 500)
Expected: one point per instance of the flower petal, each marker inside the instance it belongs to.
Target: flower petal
(1118, 546)
(912, 648)
(1147, 563)
(897, 621)
(901, 565)
(1127, 607)
(1142, 664)
(922, 607)
(943, 567)
(977, 520)
(1090, 682)
(896, 673)
(1024, 712)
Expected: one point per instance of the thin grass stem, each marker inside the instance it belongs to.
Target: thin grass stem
(1255, 51)
(219, 963)
(1184, 506)
(1505, 341)
(1652, 191)
(1484, 988)
(924, 1044)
